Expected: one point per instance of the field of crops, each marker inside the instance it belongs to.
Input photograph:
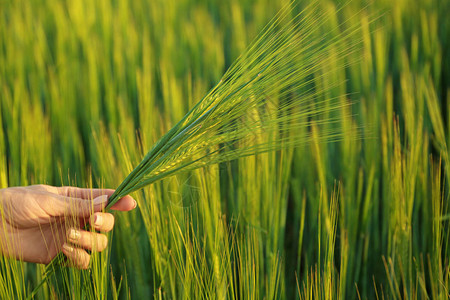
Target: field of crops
(87, 88)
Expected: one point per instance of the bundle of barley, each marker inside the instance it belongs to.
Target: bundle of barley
(264, 102)
(270, 89)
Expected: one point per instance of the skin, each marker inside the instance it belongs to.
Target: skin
(39, 221)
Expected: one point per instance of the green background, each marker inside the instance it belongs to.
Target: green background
(87, 87)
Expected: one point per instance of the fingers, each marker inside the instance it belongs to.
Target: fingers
(77, 257)
(83, 203)
(78, 241)
(102, 221)
(87, 240)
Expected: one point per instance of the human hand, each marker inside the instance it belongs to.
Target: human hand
(39, 221)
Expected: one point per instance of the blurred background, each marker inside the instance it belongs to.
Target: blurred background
(87, 87)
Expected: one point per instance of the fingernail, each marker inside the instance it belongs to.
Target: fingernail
(67, 248)
(100, 200)
(98, 220)
(135, 204)
(74, 235)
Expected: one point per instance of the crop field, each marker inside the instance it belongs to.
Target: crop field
(351, 202)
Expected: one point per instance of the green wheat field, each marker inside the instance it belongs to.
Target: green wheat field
(357, 209)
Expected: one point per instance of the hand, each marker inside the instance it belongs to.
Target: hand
(39, 221)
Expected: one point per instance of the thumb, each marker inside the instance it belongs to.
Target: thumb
(77, 207)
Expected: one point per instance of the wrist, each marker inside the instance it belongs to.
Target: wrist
(6, 230)
(3, 225)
